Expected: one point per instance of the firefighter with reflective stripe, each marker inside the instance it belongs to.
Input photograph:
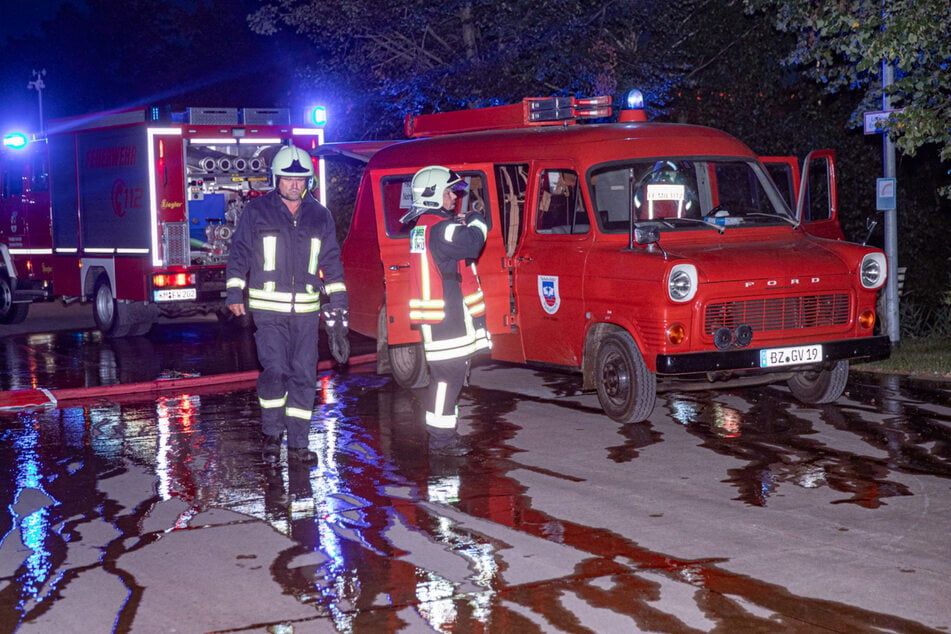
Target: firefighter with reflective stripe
(446, 301)
(283, 242)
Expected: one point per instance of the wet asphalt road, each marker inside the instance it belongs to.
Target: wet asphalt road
(738, 511)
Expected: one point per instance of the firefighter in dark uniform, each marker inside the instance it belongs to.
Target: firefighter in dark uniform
(282, 243)
(446, 301)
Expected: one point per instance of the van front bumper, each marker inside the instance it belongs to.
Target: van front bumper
(861, 349)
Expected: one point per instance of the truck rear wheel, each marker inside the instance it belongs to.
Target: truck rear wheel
(408, 365)
(10, 313)
(112, 317)
(816, 387)
(627, 390)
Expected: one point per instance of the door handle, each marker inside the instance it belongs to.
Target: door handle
(397, 267)
(526, 258)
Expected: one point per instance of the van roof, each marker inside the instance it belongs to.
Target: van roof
(585, 144)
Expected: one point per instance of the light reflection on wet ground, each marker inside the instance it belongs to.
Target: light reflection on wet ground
(560, 521)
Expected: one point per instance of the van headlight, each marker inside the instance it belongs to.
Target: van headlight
(682, 283)
(873, 271)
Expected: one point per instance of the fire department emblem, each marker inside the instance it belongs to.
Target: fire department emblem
(548, 293)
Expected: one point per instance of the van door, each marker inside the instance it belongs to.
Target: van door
(818, 203)
(393, 195)
(549, 267)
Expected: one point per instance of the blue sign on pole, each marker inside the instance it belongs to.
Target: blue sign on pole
(885, 194)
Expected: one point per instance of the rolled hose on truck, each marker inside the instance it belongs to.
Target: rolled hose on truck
(43, 398)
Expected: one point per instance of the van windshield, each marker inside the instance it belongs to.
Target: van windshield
(685, 193)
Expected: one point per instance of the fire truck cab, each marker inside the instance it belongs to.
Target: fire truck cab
(636, 253)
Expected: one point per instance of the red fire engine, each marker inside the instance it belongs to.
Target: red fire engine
(133, 210)
(636, 253)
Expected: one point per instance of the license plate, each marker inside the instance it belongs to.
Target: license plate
(771, 357)
(175, 294)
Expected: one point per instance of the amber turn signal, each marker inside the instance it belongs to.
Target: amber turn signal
(676, 334)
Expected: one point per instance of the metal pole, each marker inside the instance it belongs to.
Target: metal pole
(38, 85)
(891, 218)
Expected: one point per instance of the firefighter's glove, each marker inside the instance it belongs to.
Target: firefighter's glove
(337, 323)
(474, 216)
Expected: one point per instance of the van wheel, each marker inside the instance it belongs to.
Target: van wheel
(816, 387)
(626, 388)
(408, 365)
(10, 313)
(112, 317)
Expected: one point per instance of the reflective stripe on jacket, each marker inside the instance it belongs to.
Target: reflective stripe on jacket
(279, 257)
(446, 301)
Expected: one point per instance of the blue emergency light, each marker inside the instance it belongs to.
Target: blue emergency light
(15, 140)
(317, 115)
(633, 109)
(634, 100)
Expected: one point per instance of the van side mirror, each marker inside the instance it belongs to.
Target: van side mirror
(646, 235)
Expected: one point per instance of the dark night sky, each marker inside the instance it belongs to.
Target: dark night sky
(257, 73)
(21, 16)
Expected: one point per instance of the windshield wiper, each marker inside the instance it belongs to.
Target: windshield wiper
(792, 221)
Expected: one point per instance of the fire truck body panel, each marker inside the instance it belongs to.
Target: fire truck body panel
(632, 252)
(141, 208)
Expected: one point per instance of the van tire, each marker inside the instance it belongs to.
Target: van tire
(408, 365)
(10, 313)
(627, 390)
(112, 317)
(816, 387)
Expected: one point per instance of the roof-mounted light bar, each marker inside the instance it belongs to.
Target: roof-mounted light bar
(533, 111)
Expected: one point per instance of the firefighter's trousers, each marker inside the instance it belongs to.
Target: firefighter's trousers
(446, 379)
(287, 352)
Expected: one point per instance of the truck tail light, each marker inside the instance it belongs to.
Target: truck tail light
(173, 280)
(867, 319)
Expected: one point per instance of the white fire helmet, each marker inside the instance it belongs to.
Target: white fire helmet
(292, 161)
(428, 186)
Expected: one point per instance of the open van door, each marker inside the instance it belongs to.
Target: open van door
(817, 207)
(811, 193)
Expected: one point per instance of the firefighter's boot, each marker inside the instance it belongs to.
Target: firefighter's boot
(271, 449)
(301, 455)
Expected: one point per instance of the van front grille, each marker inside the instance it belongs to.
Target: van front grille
(779, 313)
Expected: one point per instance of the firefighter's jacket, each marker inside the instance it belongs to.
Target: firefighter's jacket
(278, 257)
(446, 300)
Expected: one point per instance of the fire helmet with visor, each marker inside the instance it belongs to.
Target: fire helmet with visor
(428, 186)
(291, 161)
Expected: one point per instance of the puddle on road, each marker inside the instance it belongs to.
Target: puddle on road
(71, 359)
(371, 552)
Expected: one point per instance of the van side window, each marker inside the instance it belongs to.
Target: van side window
(511, 181)
(782, 178)
(818, 204)
(560, 208)
(398, 198)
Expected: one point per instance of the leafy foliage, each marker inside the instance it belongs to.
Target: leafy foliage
(410, 57)
(842, 45)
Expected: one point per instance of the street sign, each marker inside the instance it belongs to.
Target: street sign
(874, 118)
(885, 194)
